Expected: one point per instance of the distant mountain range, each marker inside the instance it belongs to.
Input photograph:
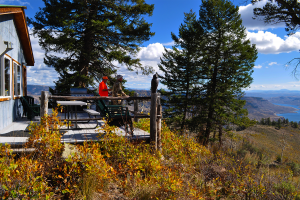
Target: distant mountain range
(272, 93)
(261, 108)
(258, 102)
(37, 89)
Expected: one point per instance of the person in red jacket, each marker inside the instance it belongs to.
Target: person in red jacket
(103, 90)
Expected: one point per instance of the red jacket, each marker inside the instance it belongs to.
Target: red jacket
(102, 86)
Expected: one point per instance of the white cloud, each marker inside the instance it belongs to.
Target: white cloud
(14, 2)
(272, 63)
(151, 52)
(269, 43)
(149, 56)
(289, 86)
(258, 66)
(255, 24)
(39, 74)
(169, 43)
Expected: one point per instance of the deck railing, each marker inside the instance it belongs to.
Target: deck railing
(155, 110)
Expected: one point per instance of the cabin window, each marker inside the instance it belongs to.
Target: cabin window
(17, 79)
(1, 79)
(7, 78)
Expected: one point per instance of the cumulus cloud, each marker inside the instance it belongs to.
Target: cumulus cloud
(258, 66)
(289, 86)
(255, 24)
(149, 56)
(169, 43)
(269, 43)
(15, 2)
(272, 63)
(39, 74)
(151, 52)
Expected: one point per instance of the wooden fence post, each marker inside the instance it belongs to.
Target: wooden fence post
(136, 107)
(44, 103)
(153, 117)
(44, 106)
(159, 117)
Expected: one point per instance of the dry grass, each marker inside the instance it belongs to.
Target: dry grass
(269, 139)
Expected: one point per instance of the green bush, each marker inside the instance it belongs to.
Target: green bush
(295, 167)
(278, 158)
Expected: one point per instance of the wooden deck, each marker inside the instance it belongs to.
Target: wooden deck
(15, 134)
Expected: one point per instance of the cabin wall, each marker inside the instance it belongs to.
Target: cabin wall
(9, 112)
(11, 109)
(9, 33)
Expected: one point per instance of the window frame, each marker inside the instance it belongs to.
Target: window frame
(2, 78)
(15, 80)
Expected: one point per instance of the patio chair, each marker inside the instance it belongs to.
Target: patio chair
(30, 101)
(30, 110)
(116, 115)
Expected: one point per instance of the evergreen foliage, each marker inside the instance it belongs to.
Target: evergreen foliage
(279, 123)
(276, 11)
(268, 121)
(223, 60)
(274, 123)
(280, 11)
(82, 39)
(182, 74)
(262, 121)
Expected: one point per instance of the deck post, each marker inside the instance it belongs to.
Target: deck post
(136, 107)
(153, 117)
(44, 103)
(153, 111)
(159, 117)
(44, 106)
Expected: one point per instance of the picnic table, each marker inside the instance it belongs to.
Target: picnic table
(72, 108)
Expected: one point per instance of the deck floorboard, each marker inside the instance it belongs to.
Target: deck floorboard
(13, 133)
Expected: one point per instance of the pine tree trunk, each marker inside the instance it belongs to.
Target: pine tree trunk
(211, 103)
(220, 134)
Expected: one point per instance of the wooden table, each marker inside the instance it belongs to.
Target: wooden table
(71, 104)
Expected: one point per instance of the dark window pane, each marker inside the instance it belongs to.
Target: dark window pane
(7, 77)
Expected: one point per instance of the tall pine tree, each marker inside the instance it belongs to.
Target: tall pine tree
(228, 59)
(88, 36)
(180, 70)
(221, 60)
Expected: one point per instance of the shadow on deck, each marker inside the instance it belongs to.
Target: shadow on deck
(16, 134)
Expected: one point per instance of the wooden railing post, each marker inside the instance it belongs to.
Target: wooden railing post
(44, 107)
(153, 117)
(136, 107)
(153, 111)
(44, 103)
(159, 118)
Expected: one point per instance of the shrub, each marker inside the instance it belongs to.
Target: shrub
(295, 167)
(117, 168)
(278, 158)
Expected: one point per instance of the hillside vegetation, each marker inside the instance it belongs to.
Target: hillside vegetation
(115, 168)
(270, 139)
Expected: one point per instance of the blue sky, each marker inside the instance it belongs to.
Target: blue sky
(274, 46)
